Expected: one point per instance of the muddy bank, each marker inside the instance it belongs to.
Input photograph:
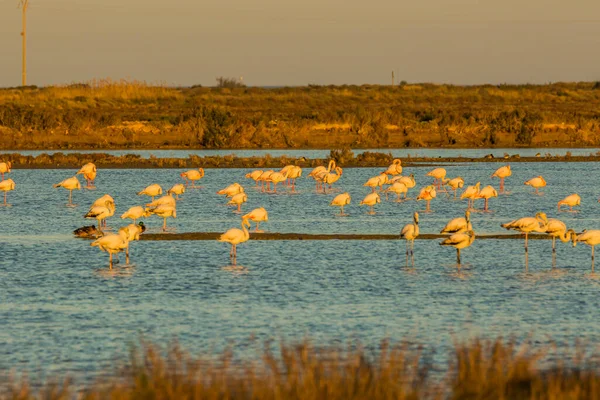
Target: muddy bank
(309, 236)
(367, 159)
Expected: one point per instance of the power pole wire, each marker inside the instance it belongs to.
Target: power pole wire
(24, 4)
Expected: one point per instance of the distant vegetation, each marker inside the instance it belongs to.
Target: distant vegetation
(130, 114)
(477, 370)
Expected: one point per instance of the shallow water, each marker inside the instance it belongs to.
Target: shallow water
(62, 310)
(475, 153)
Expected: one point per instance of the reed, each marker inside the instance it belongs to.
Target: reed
(479, 369)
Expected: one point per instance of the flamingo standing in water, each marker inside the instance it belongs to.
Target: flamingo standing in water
(502, 173)
(100, 213)
(528, 224)
(112, 244)
(438, 176)
(254, 175)
(455, 184)
(409, 233)
(408, 181)
(6, 186)
(264, 177)
(557, 229)
(231, 190)
(459, 241)
(341, 200)
(89, 172)
(571, 201)
(134, 213)
(370, 200)
(164, 211)
(591, 238)
(5, 168)
(330, 178)
(395, 168)
(238, 200)
(152, 191)
(471, 193)
(70, 184)
(177, 189)
(428, 193)
(537, 183)
(166, 200)
(318, 171)
(278, 177)
(257, 215)
(192, 176)
(133, 233)
(295, 173)
(458, 225)
(398, 188)
(377, 181)
(486, 194)
(234, 237)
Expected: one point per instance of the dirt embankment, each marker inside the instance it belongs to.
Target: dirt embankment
(346, 160)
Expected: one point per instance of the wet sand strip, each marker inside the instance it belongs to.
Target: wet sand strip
(308, 236)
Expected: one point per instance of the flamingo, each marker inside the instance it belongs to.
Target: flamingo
(410, 233)
(528, 224)
(234, 237)
(341, 200)
(471, 193)
(164, 211)
(459, 241)
(238, 200)
(6, 186)
(557, 229)
(438, 174)
(166, 200)
(398, 188)
(112, 244)
(70, 184)
(537, 183)
(458, 225)
(100, 213)
(502, 173)
(101, 201)
(264, 177)
(455, 184)
(278, 177)
(285, 169)
(571, 201)
(134, 213)
(177, 190)
(318, 171)
(486, 193)
(254, 175)
(257, 215)
(408, 181)
(428, 193)
(5, 168)
(395, 168)
(370, 200)
(89, 173)
(231, 190)
(295, 173)
(331, 178)
(133, 233)
(192, 176)
(591, 238)
(152, 191)
(376, 181)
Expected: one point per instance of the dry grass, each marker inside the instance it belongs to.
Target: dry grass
(477, 370)
(100, 114)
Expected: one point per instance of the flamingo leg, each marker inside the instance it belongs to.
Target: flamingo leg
(412, 252)
(110, 261)
(127, 255)
(501, 185)
(164, 224)
(485, 207)
(553, 244)
(427, 208)
(593, 247)
(458, 257)
(5, 199)
(526, 237)
(70, 197)
(407, 251)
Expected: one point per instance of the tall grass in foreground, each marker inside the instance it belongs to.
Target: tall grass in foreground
(476, 370)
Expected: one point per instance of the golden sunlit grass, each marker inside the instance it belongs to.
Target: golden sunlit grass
(478, 369)
(101, 113)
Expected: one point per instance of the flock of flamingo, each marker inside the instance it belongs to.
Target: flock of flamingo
(460, 230)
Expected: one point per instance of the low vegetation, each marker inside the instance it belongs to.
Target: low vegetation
(130, 114)
(476, 370)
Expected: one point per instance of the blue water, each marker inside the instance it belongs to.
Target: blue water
(413, 152)
(62, 310)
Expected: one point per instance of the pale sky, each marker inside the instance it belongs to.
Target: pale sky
(297, 42)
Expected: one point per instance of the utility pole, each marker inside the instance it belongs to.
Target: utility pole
(392, 77)
(24, 4)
